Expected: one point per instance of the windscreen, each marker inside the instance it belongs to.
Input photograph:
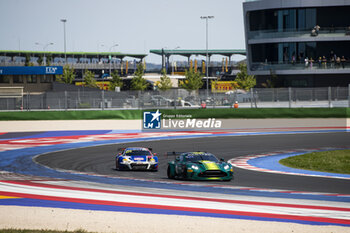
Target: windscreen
(137, 152)
(200, 157)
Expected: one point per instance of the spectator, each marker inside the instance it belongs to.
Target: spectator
(324, 62)
(311, 61)
(343, 60)
(235, 105)
(319, 62)
(338, 62)
(306, 62)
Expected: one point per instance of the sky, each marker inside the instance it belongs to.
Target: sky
(135, 25)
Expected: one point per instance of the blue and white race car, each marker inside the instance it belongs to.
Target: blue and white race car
(136, 158)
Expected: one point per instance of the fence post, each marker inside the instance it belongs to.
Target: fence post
(103, 99)
(349, 95)
(28, 99)
(65, 100)
(251, 97)
(290, 96)
(329, 97)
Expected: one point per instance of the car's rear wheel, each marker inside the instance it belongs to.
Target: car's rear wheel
(170, 176)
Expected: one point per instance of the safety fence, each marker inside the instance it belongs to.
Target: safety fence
(176, 98)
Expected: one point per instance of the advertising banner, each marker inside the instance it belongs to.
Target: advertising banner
(30, 70)
(223, 86)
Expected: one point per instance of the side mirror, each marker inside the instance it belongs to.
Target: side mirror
(119, 154)
(177, 159)
(222, 160)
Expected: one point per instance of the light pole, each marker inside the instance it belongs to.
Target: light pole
(206, 30)
(44, 49)
(110, 60)
(172, 61)
(64, 32)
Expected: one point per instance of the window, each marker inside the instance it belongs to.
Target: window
(4, 79)
(45, 79)
(17, 79)
(32, 79)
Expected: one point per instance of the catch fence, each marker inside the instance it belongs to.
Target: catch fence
(177, 98)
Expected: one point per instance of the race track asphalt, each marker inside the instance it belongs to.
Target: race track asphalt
(101, 159)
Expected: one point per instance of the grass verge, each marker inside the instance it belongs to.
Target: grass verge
(327, 161)
(225, 113)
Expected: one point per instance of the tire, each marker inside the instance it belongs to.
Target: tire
(117, 166)
(170, 176)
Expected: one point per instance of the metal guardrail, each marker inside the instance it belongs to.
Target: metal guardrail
(179, 98)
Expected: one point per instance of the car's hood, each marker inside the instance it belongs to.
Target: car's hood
(139, 158)
(209, 165)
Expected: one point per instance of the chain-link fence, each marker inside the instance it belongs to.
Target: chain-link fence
(179, 98)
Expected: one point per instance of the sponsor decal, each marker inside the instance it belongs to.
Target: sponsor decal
(51, 70)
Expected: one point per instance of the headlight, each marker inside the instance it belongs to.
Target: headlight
(195, 167)
(226, 167)
(152, 160)
(125, 160)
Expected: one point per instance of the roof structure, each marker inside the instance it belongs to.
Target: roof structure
(203, 52)
(73, 54)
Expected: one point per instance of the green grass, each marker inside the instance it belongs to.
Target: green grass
(39, 231)
(326, 161)
(226, 113)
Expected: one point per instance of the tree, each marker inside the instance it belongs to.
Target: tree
(27, 62)
(165, 82)
(193, 80)
(89, 79)
(68, 75)
(271, 82)
(40, 60)
(116, 81)
(244, 80)
(138, 82)
(48, 59)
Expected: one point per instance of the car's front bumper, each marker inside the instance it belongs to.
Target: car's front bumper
(210, 175)
(139, 166)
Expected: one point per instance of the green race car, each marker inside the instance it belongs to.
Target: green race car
(199, 166)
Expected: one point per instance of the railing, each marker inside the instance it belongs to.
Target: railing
(301, 65)
(305, 32)
(179, 98)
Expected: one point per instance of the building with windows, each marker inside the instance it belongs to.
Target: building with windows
(298, 43)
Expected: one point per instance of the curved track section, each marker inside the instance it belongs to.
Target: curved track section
(79, 174)
(100, 160)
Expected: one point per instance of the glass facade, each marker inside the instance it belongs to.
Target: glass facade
(279, 53)
(299, 19)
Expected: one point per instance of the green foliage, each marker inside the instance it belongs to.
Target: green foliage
(165, 82)
(138, 82)
(48, 59)
(193, 80)
(89, 79)
(326, 161)
(116, 81)
(68, 75)
(40, 60)
(27, 61)
(270, 82)
(244, 80)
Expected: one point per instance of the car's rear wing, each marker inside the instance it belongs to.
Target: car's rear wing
(123, 148)
(174, 153)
